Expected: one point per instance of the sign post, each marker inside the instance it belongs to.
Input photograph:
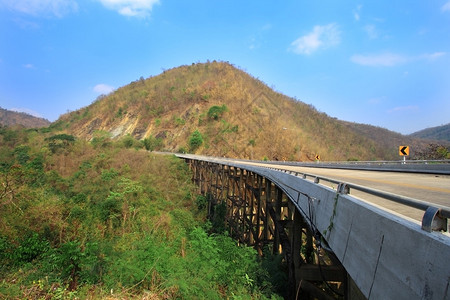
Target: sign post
(403, 151)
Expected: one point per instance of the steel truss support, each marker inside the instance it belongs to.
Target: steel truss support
(259, 214)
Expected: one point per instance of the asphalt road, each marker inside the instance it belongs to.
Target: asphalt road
(425, 187)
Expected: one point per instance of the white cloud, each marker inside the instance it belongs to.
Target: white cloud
(27, 111)
(28, 66)
(376, 101)
(383, 60)
(56, 8)
(258, 38)
(446, 6)
(268, 26)
(321, 37)
(391, 59)
(356, 13)
(131, 8)
(371, 31)
(403, 109)
(103, 88)
(433, 56)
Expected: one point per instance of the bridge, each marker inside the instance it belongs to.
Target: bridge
(335, 245)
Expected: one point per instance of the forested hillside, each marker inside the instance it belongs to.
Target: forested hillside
(107, 219)
(216, 109)
(420, 148)
(441, 133)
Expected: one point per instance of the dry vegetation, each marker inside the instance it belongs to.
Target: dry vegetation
(438, 133)
(254, 122)
(12, 118)
(98, 220)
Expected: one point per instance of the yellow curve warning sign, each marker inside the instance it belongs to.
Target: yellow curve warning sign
(403, 150)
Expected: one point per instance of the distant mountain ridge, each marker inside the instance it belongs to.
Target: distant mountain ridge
(441, 133)
(228, 113)
(12, 118)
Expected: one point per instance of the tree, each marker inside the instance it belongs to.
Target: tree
(195, 140)
(60, 141)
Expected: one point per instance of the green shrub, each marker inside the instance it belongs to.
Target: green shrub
(108, 175)
(179, 121)
(215, 112)
(195, 140)
(101, 139)
(110, 208)
(128, 141)
(60, 141)
(151, 143)
(21, 154)
(75, 263)
(77, 213)
(6, 253)
(30, 248)
(79, 198)
(201, 202)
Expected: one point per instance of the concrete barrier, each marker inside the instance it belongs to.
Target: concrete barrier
(387, 256)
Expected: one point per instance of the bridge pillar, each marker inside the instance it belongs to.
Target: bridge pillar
(258, 213)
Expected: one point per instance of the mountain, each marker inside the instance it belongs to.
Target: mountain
(12, 118)
(420, 148)
(441, 133)
(217, 109)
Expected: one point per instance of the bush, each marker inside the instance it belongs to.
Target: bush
(128, 141)
(151, 143)
(195, 140)
(31, 247)
(101, 139)
(201, 202)
(6, 250)
(21, 154)
(111, 208)
(60, 141)
(74, 262)
(215, 112)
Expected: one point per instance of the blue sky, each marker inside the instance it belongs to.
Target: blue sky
(385, 63)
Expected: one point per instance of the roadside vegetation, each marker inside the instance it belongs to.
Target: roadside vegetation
(107, 219)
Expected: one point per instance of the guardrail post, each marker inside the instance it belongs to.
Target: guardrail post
(432, 221)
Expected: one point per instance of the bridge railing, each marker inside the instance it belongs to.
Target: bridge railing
(435, 216)
(413, 166)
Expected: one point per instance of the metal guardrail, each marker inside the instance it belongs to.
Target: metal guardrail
(353, 162)
(384, 162)
(435, 217)
(441, 167)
